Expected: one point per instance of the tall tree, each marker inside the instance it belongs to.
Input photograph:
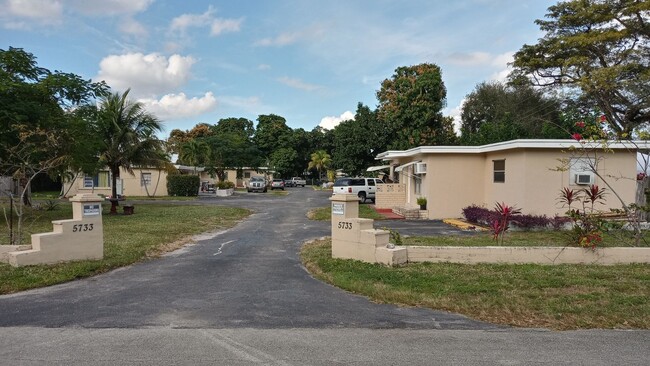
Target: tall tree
(283, 161)
(496, 112)
(240, 126)
(36, 105)
(358, 141)
(410, 105)
(601, 47)
(127, 134)
(320, 160)
(271, 133)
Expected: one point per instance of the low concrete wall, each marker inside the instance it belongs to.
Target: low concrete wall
(390, 195)
(520, 255)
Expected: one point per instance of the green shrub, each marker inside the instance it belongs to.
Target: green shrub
(183, 185)
(225, 184)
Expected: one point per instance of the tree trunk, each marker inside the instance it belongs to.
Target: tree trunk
(114, 175)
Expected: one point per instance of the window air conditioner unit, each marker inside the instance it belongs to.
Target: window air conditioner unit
(584, 179)
(420, 168)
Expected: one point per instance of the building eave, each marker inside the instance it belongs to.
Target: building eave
(512, 144)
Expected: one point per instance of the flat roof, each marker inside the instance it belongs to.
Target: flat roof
(513, 144)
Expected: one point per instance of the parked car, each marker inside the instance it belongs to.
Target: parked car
(277, 184)
(364, 188)
(257, 184)
(288, 183)
(297, 181)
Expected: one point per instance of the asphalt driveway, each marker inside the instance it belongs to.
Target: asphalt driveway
(248, 276)
(242, 297)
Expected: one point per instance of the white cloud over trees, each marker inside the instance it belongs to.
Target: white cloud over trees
(330, 122)
(146, 75)
(175, 106)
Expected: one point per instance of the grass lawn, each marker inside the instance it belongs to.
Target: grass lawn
(325, 213)
(152, 230)
(160, 198)
(557, 297)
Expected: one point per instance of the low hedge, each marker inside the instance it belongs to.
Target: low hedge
(183, 185)
(483, 216)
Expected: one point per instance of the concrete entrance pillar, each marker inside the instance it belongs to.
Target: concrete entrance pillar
(81, 237)
(355, 238)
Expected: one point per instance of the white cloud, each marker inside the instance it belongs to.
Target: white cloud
(281, 40)
(18, 14)
(263, 67)
(109, 7)
(470, 59)
(132, 27)
(298, 84)
(176, 106)
(22, 14)
(251, 105)
(225, 26)
(217, 25)
(182, 22)
(455, 113)
(330, 122)
(501, 61)
(145, 74)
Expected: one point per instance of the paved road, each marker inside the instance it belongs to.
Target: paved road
(242, 297)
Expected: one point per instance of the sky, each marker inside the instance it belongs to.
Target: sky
(308, 61)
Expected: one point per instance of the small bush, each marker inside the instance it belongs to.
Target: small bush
(225, 184)
(528, 222)
(183, 185)
(480, 215)
(483, 216)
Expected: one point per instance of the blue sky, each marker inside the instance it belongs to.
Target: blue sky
(308, 61)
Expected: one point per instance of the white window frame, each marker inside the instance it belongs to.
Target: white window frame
(495, 171)
(145, 179)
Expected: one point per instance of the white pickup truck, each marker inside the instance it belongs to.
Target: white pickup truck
(364, 188)
(297, 181)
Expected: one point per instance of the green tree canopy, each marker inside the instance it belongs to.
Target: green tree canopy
(496, 112)
(358, 141)
(271, 134)
(42, 117)
(283, 161)
(601, 47)
(410, 106)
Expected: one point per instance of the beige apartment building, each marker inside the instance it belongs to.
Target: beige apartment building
(528, 174)
(147, 181)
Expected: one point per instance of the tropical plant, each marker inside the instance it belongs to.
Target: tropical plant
(194, 152)
(320, 160)
(500, 226)
(127, 131)
(421, 201)
(587, 229)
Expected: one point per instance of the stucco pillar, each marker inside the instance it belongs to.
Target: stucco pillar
(79, 238)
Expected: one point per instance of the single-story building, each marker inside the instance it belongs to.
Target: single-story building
(528, 174)
(146, 181)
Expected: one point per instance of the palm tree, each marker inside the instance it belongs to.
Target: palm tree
(320, 160)
(194, 153)
(127, 134)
